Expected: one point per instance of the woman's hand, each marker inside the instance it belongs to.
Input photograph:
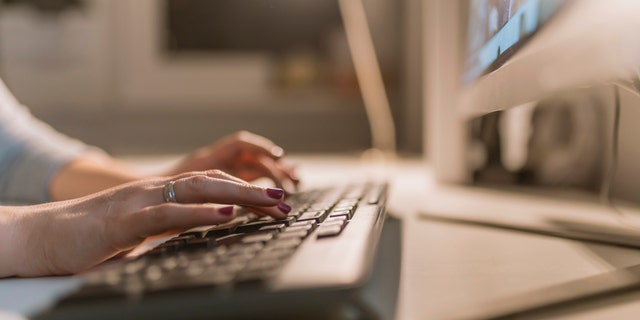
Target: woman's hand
(244, 155)
(68, 237)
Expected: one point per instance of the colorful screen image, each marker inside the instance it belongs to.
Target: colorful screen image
(496, 28)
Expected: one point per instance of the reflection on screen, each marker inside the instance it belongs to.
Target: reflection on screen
(496, 27)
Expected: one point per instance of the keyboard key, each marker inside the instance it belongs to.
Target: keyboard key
(207, 258)
(218, 232)
(338, 223)
(200, 243)
(306, 228)
(312, 223)
(299, 234)
(241, 248)
(171, 246)
(346, 214)
(174, 262)
(321, 206)
(328, 231)
(312, 215)
(340, 218)
(275, 227)
(195, 270)
(234, 239)
(153, 273)
(135, 266)
(259, 237)
(283, 243)
(257, 224)
(226, 227)
(181, 238)
(343, 208)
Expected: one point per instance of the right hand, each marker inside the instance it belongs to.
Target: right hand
(68, 237)
(244, 155)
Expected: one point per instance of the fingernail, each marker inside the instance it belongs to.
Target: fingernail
(275, 193)
(227, 211)
(277, 152)
(284, 207)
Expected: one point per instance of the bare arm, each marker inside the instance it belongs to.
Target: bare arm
(88, 174)
(71, 236)
(243, 154)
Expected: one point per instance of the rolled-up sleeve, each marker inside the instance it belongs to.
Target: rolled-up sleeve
(31, 152)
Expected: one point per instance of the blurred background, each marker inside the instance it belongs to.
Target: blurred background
(149, 77)
(167, 76)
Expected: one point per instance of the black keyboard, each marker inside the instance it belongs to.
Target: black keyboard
(248, 251)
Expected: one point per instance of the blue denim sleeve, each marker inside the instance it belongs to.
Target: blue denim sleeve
(31, 153)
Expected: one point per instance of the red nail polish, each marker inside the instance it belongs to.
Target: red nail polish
(285, 208)
(227, 211)
(275, 193)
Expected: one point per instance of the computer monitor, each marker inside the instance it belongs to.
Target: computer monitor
(495, 30)
(516, 52)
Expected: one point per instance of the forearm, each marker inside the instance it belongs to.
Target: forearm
(9, 242)
(88, 174)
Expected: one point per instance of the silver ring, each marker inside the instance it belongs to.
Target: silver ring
(168, 192)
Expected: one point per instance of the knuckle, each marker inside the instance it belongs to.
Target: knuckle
(253, 193)
(243, 135)
(196, 183)
(216, 172)
(184, 175)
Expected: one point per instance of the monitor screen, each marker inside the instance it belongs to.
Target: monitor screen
(496, 28)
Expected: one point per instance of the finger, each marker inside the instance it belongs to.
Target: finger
(155, 220)
(255, 144)
(200, 188)
(257, 167)
(290, 170)
(280, 211)
(211, 173)
(275, 172)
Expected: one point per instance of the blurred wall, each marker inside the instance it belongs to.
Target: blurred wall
(84, 71)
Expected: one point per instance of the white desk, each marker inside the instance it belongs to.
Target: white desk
(452, 268)
(448, 268)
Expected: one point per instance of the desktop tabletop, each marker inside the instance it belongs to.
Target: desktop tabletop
(451, 270)
(448, 269)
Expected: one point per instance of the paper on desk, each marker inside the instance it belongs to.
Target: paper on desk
(24, 298)
(575, 219)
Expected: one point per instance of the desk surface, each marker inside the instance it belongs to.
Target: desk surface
(448, 268)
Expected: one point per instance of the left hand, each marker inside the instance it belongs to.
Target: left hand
(244, 155)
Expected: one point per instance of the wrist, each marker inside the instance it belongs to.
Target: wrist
(11, 242)
(90, 174)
